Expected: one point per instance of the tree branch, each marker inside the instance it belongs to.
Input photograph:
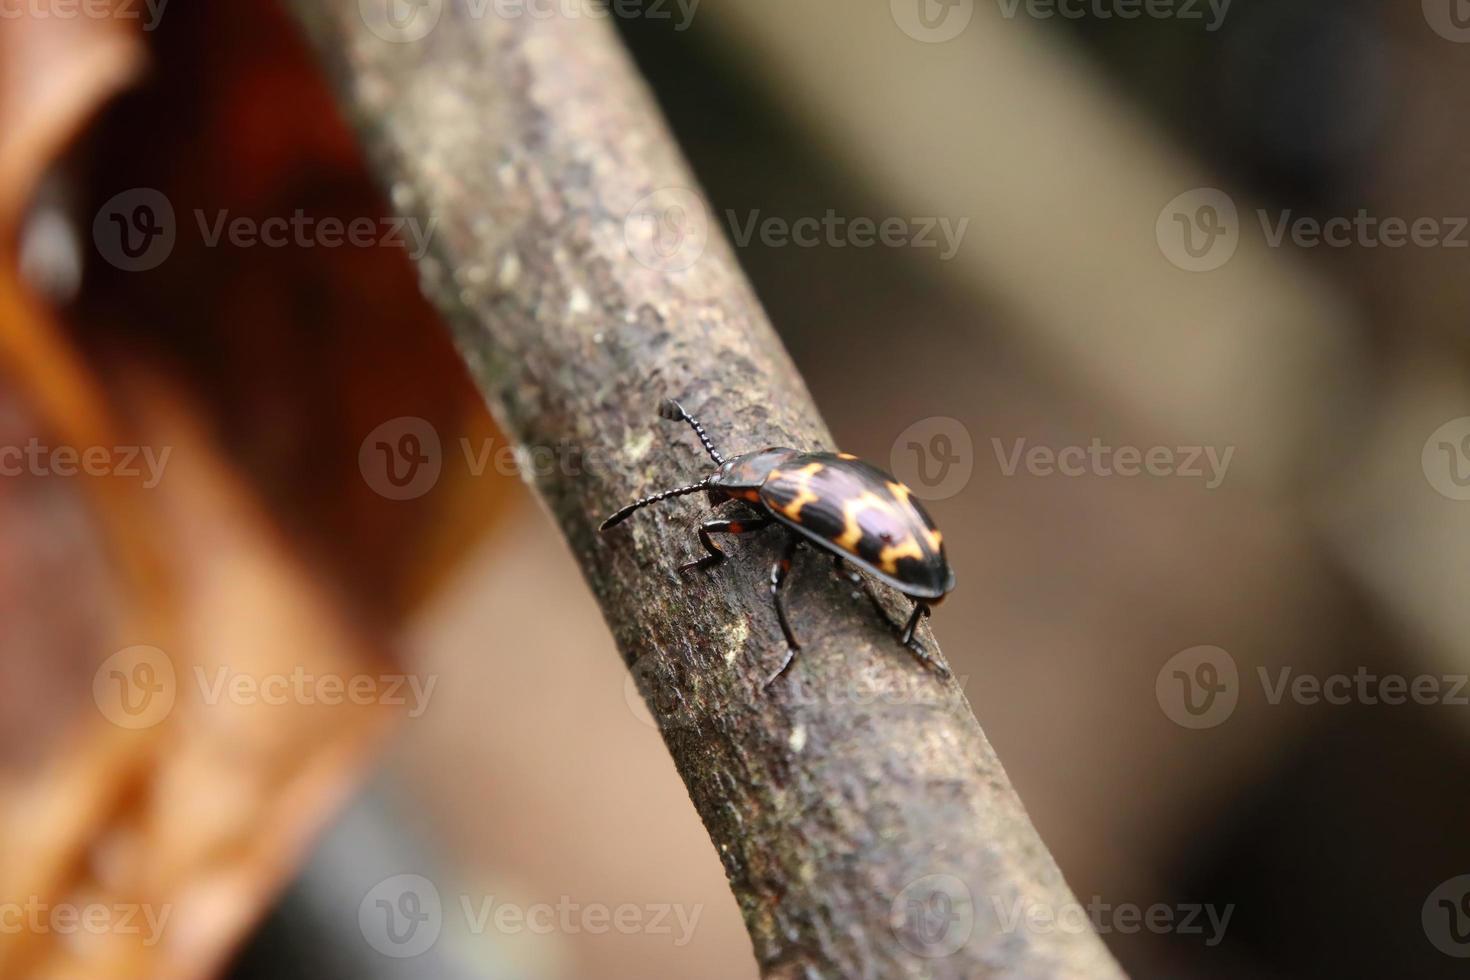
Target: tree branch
(864, 822)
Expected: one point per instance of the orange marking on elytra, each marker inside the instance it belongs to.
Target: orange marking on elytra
(804, 495)
(852, 531)
(889, 556)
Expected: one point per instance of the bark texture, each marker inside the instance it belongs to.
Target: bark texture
(865, 823)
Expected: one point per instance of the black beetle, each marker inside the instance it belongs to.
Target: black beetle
(845, 506)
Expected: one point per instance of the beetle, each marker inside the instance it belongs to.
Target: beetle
(835, 501)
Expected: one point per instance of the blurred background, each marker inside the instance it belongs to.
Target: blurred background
(1161, 306)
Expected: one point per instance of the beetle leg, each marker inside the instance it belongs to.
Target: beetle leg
(715, 556)
(778, 578)
(859, 579)
(917, 648)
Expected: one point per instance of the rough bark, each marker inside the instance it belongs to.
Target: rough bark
(856, 799)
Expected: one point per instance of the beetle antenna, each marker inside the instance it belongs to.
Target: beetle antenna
(623, 514)
(673, 411)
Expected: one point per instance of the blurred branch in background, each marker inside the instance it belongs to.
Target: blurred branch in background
(532, 144)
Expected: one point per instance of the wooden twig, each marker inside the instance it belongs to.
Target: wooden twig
(865, 824)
